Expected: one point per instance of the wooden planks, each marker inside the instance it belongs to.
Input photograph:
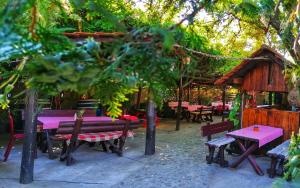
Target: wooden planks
(257, 79)
(220, 141)
(281, 150)
(287, 120)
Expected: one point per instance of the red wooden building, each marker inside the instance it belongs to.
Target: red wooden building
(263, 75)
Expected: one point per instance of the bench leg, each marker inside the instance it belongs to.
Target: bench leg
(63, 151)
(272, 170)
(280, 169)
(50, 146)
(210, 117)
(223, 162)
(70, 149)
(210, 157)
(103, 146)
(121, 145)
(199, 118)
(194, 117)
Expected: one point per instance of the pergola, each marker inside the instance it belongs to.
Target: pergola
(29, 146)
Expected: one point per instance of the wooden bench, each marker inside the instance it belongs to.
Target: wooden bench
(204, 114)
(279, 156)
(220, 142)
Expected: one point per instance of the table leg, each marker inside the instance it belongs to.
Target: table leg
(247, 154)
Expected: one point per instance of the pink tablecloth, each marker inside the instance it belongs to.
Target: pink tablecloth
(265, 134)
(220, 104)
(194, 107)
(53, 122)
(173, 104)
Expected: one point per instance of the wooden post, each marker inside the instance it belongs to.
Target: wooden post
(242, 106)
(29, 145)
(223, 101)
(198, 91)
(189, 93)
(138, 101)
(150, 131)
(179, 107)
(180, 92)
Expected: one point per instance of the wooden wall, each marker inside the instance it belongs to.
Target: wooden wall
(257, 79)
(287, 120)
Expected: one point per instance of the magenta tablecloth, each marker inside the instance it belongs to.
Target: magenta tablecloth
(265, 134)
(53, 122)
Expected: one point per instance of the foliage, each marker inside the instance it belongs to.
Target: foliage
(233, 114)
(144, 57)
(293, 165)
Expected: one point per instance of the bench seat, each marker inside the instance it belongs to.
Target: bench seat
(280, 151)
(278, 154)
(221, 141)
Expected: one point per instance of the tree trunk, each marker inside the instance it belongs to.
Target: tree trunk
(179, 107)
(29, 145)
(150, 132)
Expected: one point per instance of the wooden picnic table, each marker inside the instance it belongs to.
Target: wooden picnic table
(49, 124)
(257, 136)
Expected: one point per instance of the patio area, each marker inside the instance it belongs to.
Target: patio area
(179, 162)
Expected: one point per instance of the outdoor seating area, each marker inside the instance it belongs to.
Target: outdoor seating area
(150, 93)
(175, 153)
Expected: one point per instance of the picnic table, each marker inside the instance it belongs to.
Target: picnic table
(173, 105)
(47, 123)
(50, 123)
(257, 136)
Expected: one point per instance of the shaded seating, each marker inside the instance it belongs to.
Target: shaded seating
(204, 114)
(104, 132)
(279, 156)
(220, 142)
(13, 136)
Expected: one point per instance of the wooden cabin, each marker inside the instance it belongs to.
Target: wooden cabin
(264, 75)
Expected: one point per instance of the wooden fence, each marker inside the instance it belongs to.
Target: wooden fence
(287, 120)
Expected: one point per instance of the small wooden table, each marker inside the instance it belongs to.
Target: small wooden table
(258, 138)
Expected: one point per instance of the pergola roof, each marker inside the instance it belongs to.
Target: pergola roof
(98, 36)
(203, 79)
(246, 65)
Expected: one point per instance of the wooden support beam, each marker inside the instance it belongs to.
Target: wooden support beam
(29, 145)
(223, 101)
(242, 106)
(150, 131)
(198, 91)
(138, 101)
(180, 93)
(179, 107)
(189, 93)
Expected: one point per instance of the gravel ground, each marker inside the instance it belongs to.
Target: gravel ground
(177, 162)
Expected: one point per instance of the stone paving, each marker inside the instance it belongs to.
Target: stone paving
(179, 162)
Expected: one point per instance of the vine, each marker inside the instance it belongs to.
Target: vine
(233, 114)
